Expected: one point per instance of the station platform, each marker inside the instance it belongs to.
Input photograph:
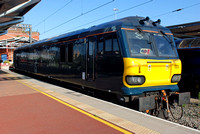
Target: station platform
(30, 106)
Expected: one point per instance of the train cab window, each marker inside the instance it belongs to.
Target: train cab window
(62, 53)
(164, 47)
(108, 44)
(70, 53)
(139, 44)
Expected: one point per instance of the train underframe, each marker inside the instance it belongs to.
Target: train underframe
(159, 103)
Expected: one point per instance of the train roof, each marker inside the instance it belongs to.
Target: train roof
(105, 27)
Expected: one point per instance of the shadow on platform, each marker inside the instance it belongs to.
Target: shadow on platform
(2, 72)
(11, 78)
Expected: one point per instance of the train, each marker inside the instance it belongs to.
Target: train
(134, 58)
(189, 53)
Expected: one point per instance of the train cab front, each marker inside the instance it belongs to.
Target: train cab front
(151, 64)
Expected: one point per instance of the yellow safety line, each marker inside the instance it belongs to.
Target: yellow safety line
(82, 111)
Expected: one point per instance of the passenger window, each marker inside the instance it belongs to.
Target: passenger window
(108, 43)
(62, 53)
(185, 43)
(70, 52)
(115, 43)
(76, 50)
(100, 44)
(196, 42)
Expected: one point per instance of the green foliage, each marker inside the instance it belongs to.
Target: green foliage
(199, 95)
(184, 105)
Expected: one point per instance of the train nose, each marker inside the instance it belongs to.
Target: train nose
(158, 72)
(153, 72)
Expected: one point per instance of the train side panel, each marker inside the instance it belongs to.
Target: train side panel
(191, 61)
(189, 53)
(94, 62)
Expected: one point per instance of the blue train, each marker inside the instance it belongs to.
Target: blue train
(133, 57)
(189, 53)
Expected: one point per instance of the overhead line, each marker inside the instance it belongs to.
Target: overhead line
(79, 16)
(114, 14)
(134, 6)
(177, 10)
(53, 13)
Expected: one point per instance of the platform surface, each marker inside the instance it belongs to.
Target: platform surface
(30, 106)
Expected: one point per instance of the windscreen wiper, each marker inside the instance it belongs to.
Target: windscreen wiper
(166, 37)
(140, 31)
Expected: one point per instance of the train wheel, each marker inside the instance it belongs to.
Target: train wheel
(176, 111)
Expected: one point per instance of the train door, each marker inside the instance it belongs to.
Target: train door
(90, 65)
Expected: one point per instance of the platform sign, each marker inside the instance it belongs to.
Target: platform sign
(4, 57)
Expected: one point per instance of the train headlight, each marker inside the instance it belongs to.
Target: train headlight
(135, 80)
(176, 78)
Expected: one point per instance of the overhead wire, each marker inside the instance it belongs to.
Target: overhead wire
(127, 9)
(53, 13)
(173, 11)
(177, 10)
(79, 16)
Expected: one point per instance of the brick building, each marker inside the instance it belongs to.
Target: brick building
(18, 35)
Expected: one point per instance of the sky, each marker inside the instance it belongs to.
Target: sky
(54, 17)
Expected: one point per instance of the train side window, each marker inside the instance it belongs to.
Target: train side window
(76, 50)
(195, 43)
(62, 53)
(115, 44)
(185, 43)
(70, 52)
(100, 44)
(108, 43)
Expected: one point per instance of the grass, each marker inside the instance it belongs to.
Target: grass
(199, 96)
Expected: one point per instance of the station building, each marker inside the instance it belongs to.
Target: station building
(17, 35)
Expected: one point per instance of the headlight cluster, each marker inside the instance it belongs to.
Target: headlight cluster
(176, 78)
(135, 80)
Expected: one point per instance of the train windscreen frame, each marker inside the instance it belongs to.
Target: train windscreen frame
(150, 45)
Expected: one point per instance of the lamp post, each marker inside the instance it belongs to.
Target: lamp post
(115, 10)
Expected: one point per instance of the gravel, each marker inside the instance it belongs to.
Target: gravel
(191, 116)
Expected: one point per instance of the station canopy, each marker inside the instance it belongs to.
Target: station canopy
(187, 30)
(12, 11)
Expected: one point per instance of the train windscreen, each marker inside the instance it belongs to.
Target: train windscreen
(143, 44)
(164, 46)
